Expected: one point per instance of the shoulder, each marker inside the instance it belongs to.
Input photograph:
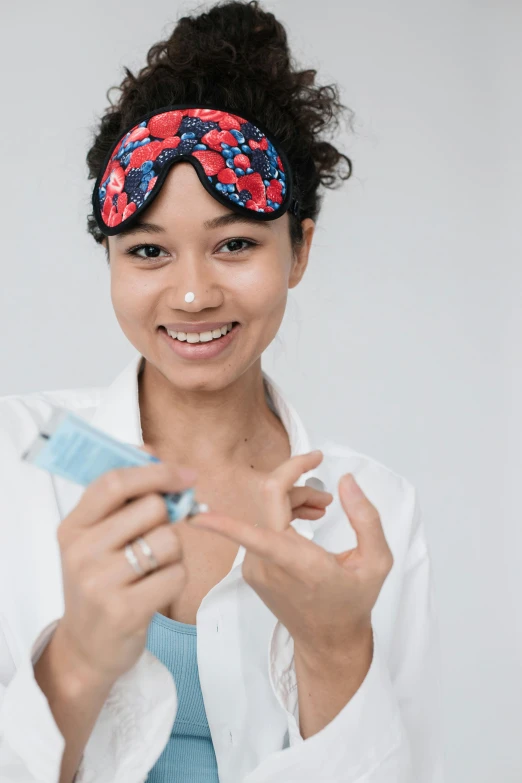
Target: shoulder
(21, 415)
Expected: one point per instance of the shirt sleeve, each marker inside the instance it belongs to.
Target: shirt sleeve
(128, 737)
(136, 719)
(390, 730)
(31, 745)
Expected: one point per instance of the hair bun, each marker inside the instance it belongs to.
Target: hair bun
(232, 37)
(236, 56)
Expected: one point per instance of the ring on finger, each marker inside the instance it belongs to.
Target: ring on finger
(133, 560)
(147, 551)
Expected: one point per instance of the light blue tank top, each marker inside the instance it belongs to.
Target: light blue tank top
(188, 756)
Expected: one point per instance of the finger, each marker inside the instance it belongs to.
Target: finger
(277, 510)
(155, 590)
(307, 512)
(115, 487)
(308, 496)
(135, 518)
(292, 469)
(114, 570)
(363, 517)
(271, 545)
(166, 550)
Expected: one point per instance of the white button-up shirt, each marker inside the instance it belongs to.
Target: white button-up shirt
(389, 731)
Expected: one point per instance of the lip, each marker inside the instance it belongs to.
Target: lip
(196, 326)
(198, 351)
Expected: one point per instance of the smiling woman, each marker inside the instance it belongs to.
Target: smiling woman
(280, 636)
(242, 279)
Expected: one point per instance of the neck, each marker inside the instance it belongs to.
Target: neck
(232, 427)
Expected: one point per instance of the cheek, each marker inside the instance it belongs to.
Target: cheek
(261, 288)
(261, 294)
(130, 296)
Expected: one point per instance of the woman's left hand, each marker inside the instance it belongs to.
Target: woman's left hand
(323, 599)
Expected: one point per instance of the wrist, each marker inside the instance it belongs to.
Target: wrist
(329, 677)
(330, 659)
(62, 664)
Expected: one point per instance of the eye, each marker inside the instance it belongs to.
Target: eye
(151, 251)
(238, 240)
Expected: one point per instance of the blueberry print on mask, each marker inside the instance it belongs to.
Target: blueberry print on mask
(235, 161)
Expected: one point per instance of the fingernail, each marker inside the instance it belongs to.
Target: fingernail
(349, 480)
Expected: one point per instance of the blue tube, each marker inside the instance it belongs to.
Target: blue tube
(77, 451)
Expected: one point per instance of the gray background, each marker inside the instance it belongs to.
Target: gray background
(403, 340)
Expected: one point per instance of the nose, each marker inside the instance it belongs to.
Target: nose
(194, 287)
(200, 297)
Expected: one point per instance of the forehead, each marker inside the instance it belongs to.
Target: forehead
(183, 198)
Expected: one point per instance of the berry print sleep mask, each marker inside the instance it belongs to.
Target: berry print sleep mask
(236, 161)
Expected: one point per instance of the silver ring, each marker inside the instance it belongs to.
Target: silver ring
(145, 548)
(133, 560)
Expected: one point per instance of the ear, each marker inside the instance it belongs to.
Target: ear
(105, 244)
(300, 261)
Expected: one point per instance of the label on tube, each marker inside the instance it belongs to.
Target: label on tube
(74, 449)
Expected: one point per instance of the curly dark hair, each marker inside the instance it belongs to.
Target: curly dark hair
(236, 55)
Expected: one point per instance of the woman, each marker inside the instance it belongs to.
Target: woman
(286, 635)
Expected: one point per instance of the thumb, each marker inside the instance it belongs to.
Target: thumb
(363, 517)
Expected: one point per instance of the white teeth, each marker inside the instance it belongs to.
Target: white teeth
(200, 337)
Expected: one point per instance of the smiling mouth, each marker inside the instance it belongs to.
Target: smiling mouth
(200, 337)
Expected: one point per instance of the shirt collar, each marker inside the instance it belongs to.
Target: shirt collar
(118, 414)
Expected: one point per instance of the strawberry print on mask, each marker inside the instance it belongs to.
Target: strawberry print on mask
(234, 159)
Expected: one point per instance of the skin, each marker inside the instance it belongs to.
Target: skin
(216, 414)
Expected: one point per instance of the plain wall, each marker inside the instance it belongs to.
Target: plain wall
(402, 341)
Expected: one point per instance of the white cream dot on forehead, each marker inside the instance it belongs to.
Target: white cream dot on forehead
(189, 297)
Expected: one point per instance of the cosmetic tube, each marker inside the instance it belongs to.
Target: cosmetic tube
(75, 450)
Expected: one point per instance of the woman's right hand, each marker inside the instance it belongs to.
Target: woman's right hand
(108, 606)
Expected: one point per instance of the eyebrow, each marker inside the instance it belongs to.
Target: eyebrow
(217, 222)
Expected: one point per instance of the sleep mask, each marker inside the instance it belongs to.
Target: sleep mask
(237, 162)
